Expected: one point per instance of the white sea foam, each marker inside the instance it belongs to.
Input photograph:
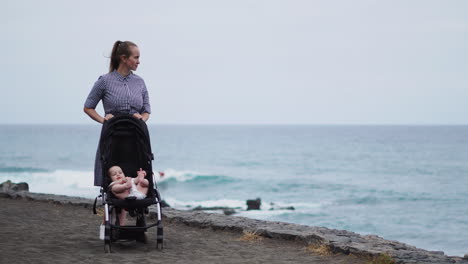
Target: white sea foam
(178, 175)
(184, 205)
(62, 182)
(187, 175)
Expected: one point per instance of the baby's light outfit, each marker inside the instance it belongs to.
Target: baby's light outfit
(134, 192)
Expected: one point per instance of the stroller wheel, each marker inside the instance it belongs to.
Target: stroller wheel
(107, 248)
(159, 237)
(159, 244)
(107, 237)
(143, 238)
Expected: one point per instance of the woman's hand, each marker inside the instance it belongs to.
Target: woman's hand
(91, 112)
(143, 116)
(137, 116)
(108, 116)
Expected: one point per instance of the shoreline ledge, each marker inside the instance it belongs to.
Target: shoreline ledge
(338, 241)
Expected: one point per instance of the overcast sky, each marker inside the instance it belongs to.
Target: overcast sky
(243, 61)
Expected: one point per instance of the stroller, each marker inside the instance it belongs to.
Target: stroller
(125, 142)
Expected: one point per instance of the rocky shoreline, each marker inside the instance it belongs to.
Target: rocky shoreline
(336, 241)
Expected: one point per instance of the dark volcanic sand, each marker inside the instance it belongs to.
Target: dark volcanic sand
(45, 232)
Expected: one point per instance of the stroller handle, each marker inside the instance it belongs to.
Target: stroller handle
(122, 116)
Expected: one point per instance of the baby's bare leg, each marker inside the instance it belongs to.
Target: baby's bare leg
(123, 217)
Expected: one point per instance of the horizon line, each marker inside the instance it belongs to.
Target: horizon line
(260, 124)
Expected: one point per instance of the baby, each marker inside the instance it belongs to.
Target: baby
(123, 187)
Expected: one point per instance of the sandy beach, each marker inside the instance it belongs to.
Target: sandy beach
(51, 232)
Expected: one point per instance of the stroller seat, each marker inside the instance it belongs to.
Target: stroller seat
(131, 203)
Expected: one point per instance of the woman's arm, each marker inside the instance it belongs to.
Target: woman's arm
(91, 112)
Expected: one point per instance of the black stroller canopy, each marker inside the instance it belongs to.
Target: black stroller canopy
(125, 142)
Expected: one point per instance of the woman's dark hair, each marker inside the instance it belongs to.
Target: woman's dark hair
(120, 48)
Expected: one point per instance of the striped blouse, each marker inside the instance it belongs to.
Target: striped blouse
(119, 94)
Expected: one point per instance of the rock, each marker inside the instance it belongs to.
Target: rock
(9, 186)
(341, 241)
(5, 186)
(254, 204)
(283, 208)
(229, 211)
(164, 204)
(22, 186)
(214, 208)
(274, 207)
(226, 210)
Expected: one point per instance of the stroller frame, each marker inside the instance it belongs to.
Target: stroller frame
(125, 142)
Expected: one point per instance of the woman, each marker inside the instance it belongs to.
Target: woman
(121, 92)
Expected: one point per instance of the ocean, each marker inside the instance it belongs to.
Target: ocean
(405, 183)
